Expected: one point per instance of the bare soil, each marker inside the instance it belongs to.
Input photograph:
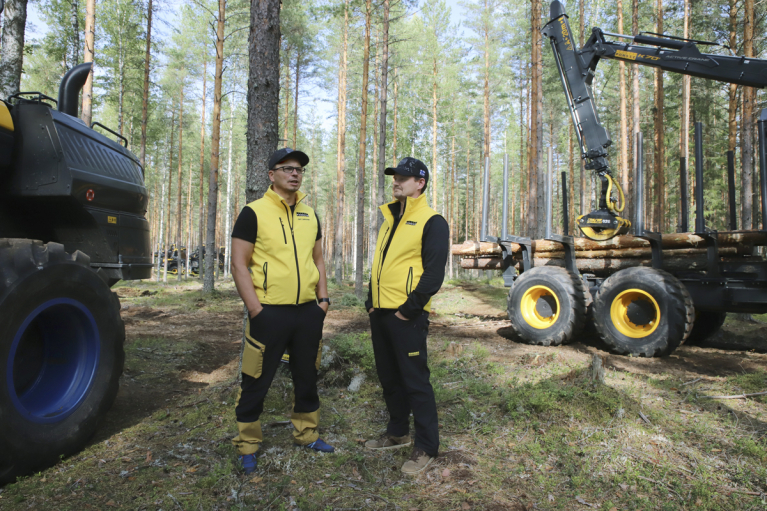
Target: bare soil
(522, 426)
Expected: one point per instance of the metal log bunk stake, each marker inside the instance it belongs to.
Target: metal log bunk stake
(763, 164)
(505, 225)
(712, 242)
(656, 242)
(565, 211)
(485, 199)
(684, 225)
(566, 241)
(731, 190)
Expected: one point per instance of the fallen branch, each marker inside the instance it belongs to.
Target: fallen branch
(737, 396)
(692, 381)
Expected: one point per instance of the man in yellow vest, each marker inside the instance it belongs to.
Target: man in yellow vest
(408, 269)
(279, 271)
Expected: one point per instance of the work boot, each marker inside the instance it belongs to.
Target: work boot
(248, 462)
(417, 463)
(388, 442)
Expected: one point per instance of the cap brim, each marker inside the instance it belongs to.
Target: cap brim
(299, 156)
(390, 171)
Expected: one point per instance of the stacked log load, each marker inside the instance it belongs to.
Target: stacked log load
(680, 252)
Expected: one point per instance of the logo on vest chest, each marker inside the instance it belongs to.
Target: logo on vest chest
(302, 216)
(410, 222)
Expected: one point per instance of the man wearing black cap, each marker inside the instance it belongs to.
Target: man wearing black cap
(408, 269)
(279, 272)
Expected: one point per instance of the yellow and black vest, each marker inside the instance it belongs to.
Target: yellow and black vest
(398, 274)
(282, 266)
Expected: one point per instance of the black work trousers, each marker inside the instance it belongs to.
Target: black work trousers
(401, 362)
(278, 327)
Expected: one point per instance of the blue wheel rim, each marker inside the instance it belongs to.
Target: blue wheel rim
(53, 360)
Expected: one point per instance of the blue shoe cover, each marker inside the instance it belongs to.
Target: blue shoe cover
(319, 445)
(248, 462)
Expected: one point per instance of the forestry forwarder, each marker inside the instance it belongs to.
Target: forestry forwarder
(577, 69)
(72, 206)
(638, 306)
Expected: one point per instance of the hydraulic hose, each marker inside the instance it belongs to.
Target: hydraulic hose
(611, 205)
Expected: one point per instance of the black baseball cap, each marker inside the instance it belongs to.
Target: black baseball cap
(408, 166)
(285, 153)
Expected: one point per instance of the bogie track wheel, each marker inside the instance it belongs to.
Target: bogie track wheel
(547, 306)
(643, 312)
(61, 354)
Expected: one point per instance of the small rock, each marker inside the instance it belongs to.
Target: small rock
(356, 383)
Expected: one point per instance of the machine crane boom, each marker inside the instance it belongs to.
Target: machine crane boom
(577, 70)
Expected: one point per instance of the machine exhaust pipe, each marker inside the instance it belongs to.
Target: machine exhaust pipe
(71, 85)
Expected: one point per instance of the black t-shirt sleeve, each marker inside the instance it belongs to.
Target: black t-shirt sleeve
(319, 228)
(434, 252)
(246, 226)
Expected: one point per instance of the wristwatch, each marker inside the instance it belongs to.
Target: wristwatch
(320, 300)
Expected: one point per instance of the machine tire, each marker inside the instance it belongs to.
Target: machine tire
(706, 324)
(565, 296)
(639, 293)
(54, 388)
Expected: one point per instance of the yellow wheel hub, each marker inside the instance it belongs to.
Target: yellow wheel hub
(630, 304)
(540, 307)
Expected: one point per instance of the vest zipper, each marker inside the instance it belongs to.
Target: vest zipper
(285, 239)
(380, 266)
(295, 251)
(409, 281)
(266, 264)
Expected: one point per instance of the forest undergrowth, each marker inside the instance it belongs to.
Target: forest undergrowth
(522, 427)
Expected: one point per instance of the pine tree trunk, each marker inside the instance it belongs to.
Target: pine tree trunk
(188, 223)
(168, 216)
(287, 98)
(523, 109)
(295, 103)
(685, 131)
(451, 214)
(263, 94)
(360, 219)
(571, 172)
(382, 120)
(90, 37)
(180, 162)
(12, 49)
(468, 171)
(228, 213)
(120, 67)
(747, 147)
(486, 96)
(584, 207)
(145, 96)
(371, 232)
(660, 153)
(433, 177)
(341, 165)
(200, 242)
(537, 145)
(394, 126)
(211, 261)
(161, 259)
(624, 161)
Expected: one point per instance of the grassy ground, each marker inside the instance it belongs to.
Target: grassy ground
(522, 427)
